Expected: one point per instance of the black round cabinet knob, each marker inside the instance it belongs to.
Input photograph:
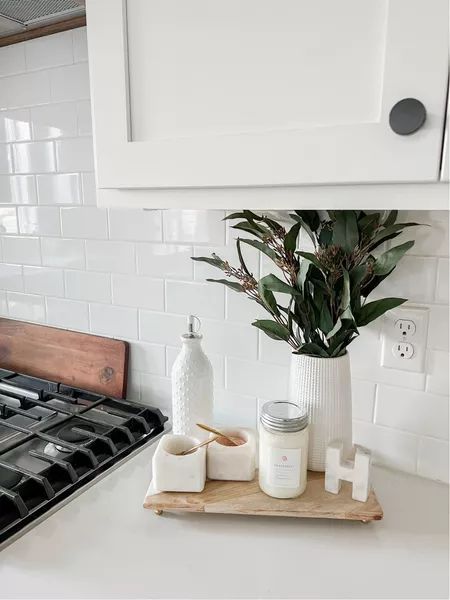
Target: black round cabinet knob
(407, 116)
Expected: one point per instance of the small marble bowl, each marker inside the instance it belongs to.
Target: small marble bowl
(172, 473)
(232, 463)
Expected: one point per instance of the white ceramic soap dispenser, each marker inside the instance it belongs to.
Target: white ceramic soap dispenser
(192, 385)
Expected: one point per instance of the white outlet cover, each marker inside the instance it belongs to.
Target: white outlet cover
(392, 336)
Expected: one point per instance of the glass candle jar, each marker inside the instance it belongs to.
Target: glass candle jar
(283, 449)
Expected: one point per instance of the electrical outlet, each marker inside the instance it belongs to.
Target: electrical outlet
(404, 338)
(403, 350)
(406, 328)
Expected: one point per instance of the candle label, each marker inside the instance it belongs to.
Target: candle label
(284, 467)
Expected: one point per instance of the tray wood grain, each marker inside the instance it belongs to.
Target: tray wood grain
(245, 498)
(90, 362)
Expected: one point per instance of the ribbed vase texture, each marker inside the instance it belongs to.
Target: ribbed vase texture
(322, 387)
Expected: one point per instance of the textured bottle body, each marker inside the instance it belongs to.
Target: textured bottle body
(192, 390)
(322, 388)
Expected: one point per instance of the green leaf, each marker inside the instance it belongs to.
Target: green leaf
(246, 214)
(290, 241)
(345, 298)
(372, 310)
(274, 284)
(312, 349)
(386, 233)
(345, 230)
(274, 330)
(372, 283)
(335, 329)
(214, 261)
(311, 257)
(303, 273)
(306, 227)
(310, 217)
(391, 218)
(387, 261)
(325, 320)
(237, 287)
(241, 258)
(326, 234)
(261, 246)
(268, 298)
(251, 228)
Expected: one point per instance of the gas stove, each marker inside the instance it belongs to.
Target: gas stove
(56, 439)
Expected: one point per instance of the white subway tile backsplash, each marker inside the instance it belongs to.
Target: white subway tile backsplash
(15, 125)
(391, 448)
(8, 220)
(161, 328)
(43, 281)
(74, 154)
(140, 292)
(419, 288)
(442, 285)
(80, 51)
(18, 189)
(156, 391)
(11, 278)
(149, 358)
(136, 225)
(84, 117)
(61, 188)
(12, 60)
(63, 253)
(26, 306)
(254, 378)
(114, 321)
(115, 257)
(231, 410)
(34, 157)
(363, 399)
(438, 373)
(202, 299)
(143, 283)
(54, 121)
(89, 189)
(86, 285)
(438, 328)
(194, 226)
(21, 250)
(70, 314)
(229, 339)
(84, 222)
(28, 89)
(413, 411)
(432, 460)
(52, 51)
(39, 220)
(6, 164)
(70, 83)
(164, 260)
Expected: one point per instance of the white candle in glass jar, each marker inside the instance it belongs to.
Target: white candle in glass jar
(283, 450)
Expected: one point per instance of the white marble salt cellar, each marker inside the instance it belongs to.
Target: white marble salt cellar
(232, 463)
(172, 473)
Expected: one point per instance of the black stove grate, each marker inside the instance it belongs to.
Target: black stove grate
(55, 439)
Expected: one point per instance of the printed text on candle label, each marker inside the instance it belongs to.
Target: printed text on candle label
(284, 467)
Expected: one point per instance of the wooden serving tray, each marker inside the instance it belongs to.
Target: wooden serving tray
(245, 498)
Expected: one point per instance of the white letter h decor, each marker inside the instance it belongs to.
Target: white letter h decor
(356, 471)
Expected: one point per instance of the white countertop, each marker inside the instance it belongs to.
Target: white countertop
(103, 544)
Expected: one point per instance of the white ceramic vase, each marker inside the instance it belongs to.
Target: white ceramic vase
(322, 387)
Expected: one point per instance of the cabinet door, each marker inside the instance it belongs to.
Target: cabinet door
(222, 93)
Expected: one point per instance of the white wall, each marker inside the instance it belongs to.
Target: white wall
(127, 274)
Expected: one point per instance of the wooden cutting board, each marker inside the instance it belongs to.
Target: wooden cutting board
(90, 362)
(245, 498)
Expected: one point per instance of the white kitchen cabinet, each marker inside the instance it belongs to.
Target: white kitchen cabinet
(193, 99)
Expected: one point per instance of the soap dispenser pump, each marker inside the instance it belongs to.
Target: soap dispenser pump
(192, 384)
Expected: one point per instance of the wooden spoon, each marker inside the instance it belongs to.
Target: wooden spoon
(218, 433)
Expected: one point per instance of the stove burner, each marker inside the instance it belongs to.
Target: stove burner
(8, 479)
(67, 434)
